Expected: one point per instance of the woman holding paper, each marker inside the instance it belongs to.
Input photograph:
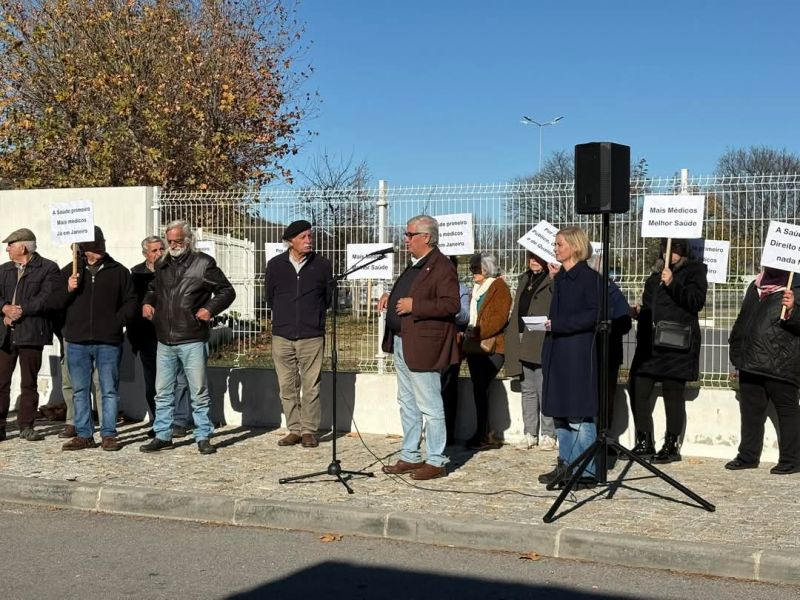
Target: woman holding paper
(667, 347)
(484, 342)
(765, 348)
(524, 350)
(569, 356)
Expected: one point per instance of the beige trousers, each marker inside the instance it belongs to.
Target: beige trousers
(298, 365)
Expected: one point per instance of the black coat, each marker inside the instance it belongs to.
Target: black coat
(298, 300)
(179, 289)
(100, 307)
(569, 356)
(39, 280)
(141, 332)
(761, 343)
(680, 302)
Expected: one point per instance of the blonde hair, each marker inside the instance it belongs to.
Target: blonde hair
(577, 239)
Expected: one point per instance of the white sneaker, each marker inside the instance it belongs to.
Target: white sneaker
(548, 444)
(529, 442)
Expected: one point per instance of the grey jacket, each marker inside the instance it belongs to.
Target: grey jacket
(530, 349)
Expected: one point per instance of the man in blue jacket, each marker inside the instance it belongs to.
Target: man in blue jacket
(297, 287)
(25, 283)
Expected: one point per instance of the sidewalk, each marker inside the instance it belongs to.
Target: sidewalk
(489, 500)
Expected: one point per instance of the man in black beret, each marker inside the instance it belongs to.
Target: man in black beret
(26, 281)
(297, 284)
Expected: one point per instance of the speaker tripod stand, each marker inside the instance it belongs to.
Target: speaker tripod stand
(599, 448)
(335, 467)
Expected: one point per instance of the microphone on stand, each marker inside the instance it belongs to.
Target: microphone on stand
(384, 252)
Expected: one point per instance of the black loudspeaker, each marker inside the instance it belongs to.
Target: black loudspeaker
(602, 178)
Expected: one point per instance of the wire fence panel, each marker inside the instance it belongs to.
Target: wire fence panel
(243, 229)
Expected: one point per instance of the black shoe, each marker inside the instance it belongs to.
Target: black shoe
(784, 469)
(670, 451)
(645, 444)
(738, 464)
(179, 432)
(205, 447)
(583, 483)
(2, 434)
(556, 475)
(155, 445)
(150, 433)
(30, 434)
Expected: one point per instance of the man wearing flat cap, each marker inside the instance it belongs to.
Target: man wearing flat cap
(298, 292)
(97, 302)
(26, 281)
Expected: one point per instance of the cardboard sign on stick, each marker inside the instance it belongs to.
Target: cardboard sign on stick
(673, 216)
(72, 222)
(455, 234)
(541, 240)
(714, 254)
(381, 269)
(782, 247)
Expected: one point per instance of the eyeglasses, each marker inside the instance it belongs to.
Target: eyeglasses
(411, 234)
(177, 242)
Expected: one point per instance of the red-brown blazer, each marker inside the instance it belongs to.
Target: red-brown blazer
(429, 332)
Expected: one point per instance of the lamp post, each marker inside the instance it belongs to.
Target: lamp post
(529, 121)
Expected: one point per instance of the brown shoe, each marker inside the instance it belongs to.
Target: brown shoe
(68, 432)
(290, 440)
(401, 467)
(110, 444)
(309, 441)
(79, 443)
(427, 471)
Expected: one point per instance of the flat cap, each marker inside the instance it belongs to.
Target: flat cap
(295, 228)
(20, 235)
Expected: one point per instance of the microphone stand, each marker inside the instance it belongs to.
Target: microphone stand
(335, 467)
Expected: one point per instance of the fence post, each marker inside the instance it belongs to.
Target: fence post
(383, 210)
(684, 181)
(156, 207)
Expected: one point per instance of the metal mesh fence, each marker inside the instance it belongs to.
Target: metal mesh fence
(238, 228)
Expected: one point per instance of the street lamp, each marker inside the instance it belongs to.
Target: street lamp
(529, 121)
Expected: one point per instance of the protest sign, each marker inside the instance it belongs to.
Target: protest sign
(673, 216)
(273, 249)
(208, 247)
(382, 269)
(72, 222)
(456, 234)
(782, 247)
(714, 254)
(541, 240)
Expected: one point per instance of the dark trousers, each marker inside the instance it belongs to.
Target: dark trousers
(30, 361)
(755, 394)
(147, 354)
(450, 399)
(674, 404)
(483, 368)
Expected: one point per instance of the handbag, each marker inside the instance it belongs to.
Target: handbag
(672, 336)
(472, 345)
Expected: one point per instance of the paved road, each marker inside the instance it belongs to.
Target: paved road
(71, 554)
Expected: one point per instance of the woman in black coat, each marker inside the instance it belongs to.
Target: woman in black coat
(569, 356)
(766, 350)
(675, 295)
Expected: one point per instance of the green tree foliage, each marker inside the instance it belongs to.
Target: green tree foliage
(186, 94)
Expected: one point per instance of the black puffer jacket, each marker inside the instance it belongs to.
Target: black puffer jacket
(180, 288)
(103, 303)
(39, 279)
(761, 343)
(680, 302)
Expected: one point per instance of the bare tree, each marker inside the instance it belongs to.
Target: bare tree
(757, 160)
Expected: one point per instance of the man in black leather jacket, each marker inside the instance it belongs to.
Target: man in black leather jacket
(25, 283)
(188, 290)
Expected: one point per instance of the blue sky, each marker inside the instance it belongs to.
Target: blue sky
(431, 92)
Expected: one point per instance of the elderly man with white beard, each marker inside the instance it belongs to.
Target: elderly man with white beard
(187, 291)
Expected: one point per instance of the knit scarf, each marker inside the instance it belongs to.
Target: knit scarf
(478, 290)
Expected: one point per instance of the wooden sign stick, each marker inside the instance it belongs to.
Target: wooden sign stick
(788, 287)
(74, 259)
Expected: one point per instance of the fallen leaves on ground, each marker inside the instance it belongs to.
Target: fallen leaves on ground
(330, 537)
(531, 556)
(353, 434)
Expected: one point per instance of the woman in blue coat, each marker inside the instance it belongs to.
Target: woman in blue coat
(569, 356)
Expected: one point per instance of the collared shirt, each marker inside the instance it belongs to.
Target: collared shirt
(298, 264)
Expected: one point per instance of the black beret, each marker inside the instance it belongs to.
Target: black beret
(296, 228)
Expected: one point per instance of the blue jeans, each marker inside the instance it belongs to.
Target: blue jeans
(82, 359)
(419, 394)
(574, 436)
(192, 357)
(182, 416)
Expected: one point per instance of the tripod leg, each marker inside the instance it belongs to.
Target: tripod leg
(299, 477)
(664, 477)
(583, 460)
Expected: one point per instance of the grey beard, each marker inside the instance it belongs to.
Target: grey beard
(176, 252)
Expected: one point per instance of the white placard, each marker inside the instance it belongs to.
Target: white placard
(782, 248)
(208, 247)
(715, 255)
(535, 323)
(673, 216)
(456, 234)
(541, 240)
(273, 249)
(381, 269)
(72, 222)
(597, 248)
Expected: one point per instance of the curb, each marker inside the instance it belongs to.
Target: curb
(773, 566)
